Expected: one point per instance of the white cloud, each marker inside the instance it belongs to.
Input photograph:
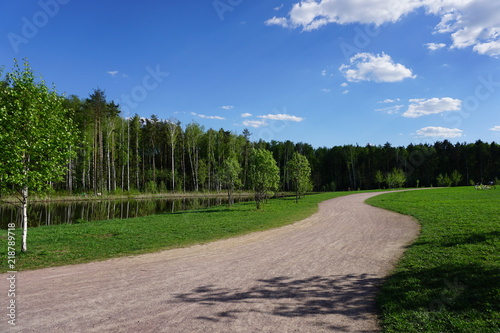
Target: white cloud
(113, 73)
(345, 92)
(423, 107)
(255, 123)
(388, 100)
(281, 116)
(439, 132)
(378, 68)
(323, 72)
(207, 117)
(473, 23)
(227, 107)
(281, 21)
(246, 115)
(435, 46)
(326, 90)
(343, 85)
(495, 128)
(391, 109)
(310, 14)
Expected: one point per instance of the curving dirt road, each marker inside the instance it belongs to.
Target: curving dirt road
(317, 275)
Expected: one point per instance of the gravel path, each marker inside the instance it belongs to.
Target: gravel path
(317, 275)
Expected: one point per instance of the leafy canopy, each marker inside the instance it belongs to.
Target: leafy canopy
(36, 131)
(264, 174)
(299, 172)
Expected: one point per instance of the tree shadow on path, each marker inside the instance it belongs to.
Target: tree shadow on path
(350, 295)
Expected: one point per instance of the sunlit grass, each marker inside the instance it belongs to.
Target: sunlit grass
(449, 278)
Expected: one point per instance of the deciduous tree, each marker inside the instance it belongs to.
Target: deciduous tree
(264, 174)
(396, 178)
(230, 177)
(299, 173)
(36, 133)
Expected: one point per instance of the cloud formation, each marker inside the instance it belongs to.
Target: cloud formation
(374, 67)
(388, 100)
(255, 123)
(473, 23)
(227, 107)
(423, 107)
(282, 116)
(310, 15)
(470, 23)
(391, 109)
(435, 46)
(495, 129)
(439, 132)
(207, 117)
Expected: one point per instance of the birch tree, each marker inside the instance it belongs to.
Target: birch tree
(193, 134)
(229, 175)
(264, 174)
(173, 133)
(299, 173)
(36, 133)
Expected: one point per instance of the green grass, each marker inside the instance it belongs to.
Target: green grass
(79, 243)
(449, 278)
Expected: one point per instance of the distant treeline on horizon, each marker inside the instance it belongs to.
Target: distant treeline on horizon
(118, 154)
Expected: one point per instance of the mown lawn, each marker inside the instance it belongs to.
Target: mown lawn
(78, 243)
(449, 278)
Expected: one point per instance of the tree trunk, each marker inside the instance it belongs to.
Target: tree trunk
(230, 200)
(173, 168)
(24, 207)
(129, 155)
(137, 160)
(108, 162)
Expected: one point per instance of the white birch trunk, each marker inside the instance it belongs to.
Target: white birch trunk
(24, 207)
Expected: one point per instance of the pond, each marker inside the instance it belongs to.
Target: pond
(52, 213)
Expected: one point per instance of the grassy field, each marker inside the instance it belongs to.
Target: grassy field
(449, 278)
(78, 243)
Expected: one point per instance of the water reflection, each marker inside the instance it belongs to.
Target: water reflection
(40, 214)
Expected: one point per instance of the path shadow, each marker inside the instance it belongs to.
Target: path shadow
(347, 295)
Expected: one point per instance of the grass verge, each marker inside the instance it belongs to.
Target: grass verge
(449, 278)
(79, 243)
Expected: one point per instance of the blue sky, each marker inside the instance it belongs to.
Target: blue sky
(325, 72)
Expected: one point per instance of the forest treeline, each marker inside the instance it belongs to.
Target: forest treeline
(118, 154)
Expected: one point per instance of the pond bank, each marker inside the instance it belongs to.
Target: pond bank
(65, 244)
(136, 196)
(55, 212)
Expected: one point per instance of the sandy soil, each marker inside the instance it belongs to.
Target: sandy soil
(317, 275)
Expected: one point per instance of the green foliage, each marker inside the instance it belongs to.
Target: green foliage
(456, 177)
(379, 178)
(299, 173)
(396, 178)
(37, 134)
(37, 137)
(443, 180)
(151, 187)
(449, 278)
(229, 175)
(263, 174)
